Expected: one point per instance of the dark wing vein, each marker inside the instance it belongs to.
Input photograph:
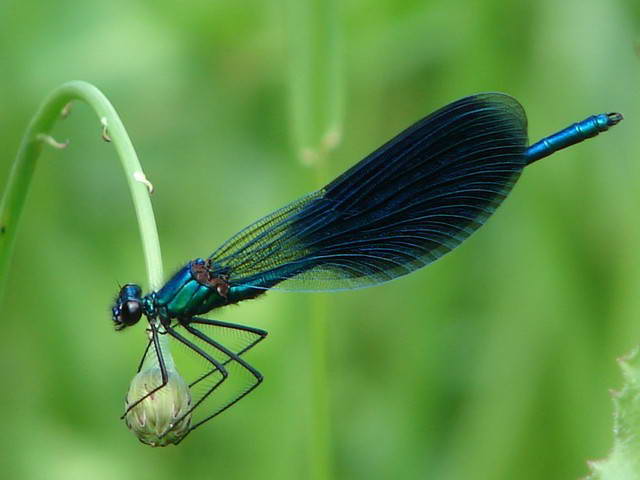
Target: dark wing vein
(404, 206)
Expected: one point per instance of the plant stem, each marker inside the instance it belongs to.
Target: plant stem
(37, 135)
(316, 89)
(316, 120)
(32, 143)
(321, 432)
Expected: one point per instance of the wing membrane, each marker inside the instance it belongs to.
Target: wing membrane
(404, 206)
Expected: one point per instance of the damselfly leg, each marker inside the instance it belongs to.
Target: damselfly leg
(217, 368)
(257, 334)
(161, 364)
(231, 356)
(224, 371)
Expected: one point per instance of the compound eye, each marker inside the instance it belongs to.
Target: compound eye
(131, 312)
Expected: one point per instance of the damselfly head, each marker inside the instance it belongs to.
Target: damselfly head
(128, 308)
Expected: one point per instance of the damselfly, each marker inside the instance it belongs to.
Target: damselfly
(402, 207)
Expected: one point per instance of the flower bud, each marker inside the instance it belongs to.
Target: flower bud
(154, 419)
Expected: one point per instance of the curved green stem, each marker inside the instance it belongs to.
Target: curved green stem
(37, 136)
(32, 143)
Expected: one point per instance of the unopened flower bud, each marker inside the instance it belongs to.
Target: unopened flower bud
(154, 419)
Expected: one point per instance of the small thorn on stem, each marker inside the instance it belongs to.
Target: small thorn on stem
(49, 140)
(105, 133)
(331, 139)
(140, 177)
(309, 157)
(66, 110)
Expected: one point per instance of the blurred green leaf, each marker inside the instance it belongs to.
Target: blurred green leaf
(623, 462)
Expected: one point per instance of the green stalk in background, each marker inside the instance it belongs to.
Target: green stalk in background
(316, 96)
(315, 78)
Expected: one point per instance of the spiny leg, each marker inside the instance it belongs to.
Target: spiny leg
(233, 356)
(217, 323)
(144, 355)
(261, 334)
(217, 367)
(163, 369)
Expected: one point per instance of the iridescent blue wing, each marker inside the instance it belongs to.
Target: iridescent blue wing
(404, 206)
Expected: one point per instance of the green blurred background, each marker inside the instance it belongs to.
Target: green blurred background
(494, 363)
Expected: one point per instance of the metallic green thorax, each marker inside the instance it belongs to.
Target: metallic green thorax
(194, 290)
